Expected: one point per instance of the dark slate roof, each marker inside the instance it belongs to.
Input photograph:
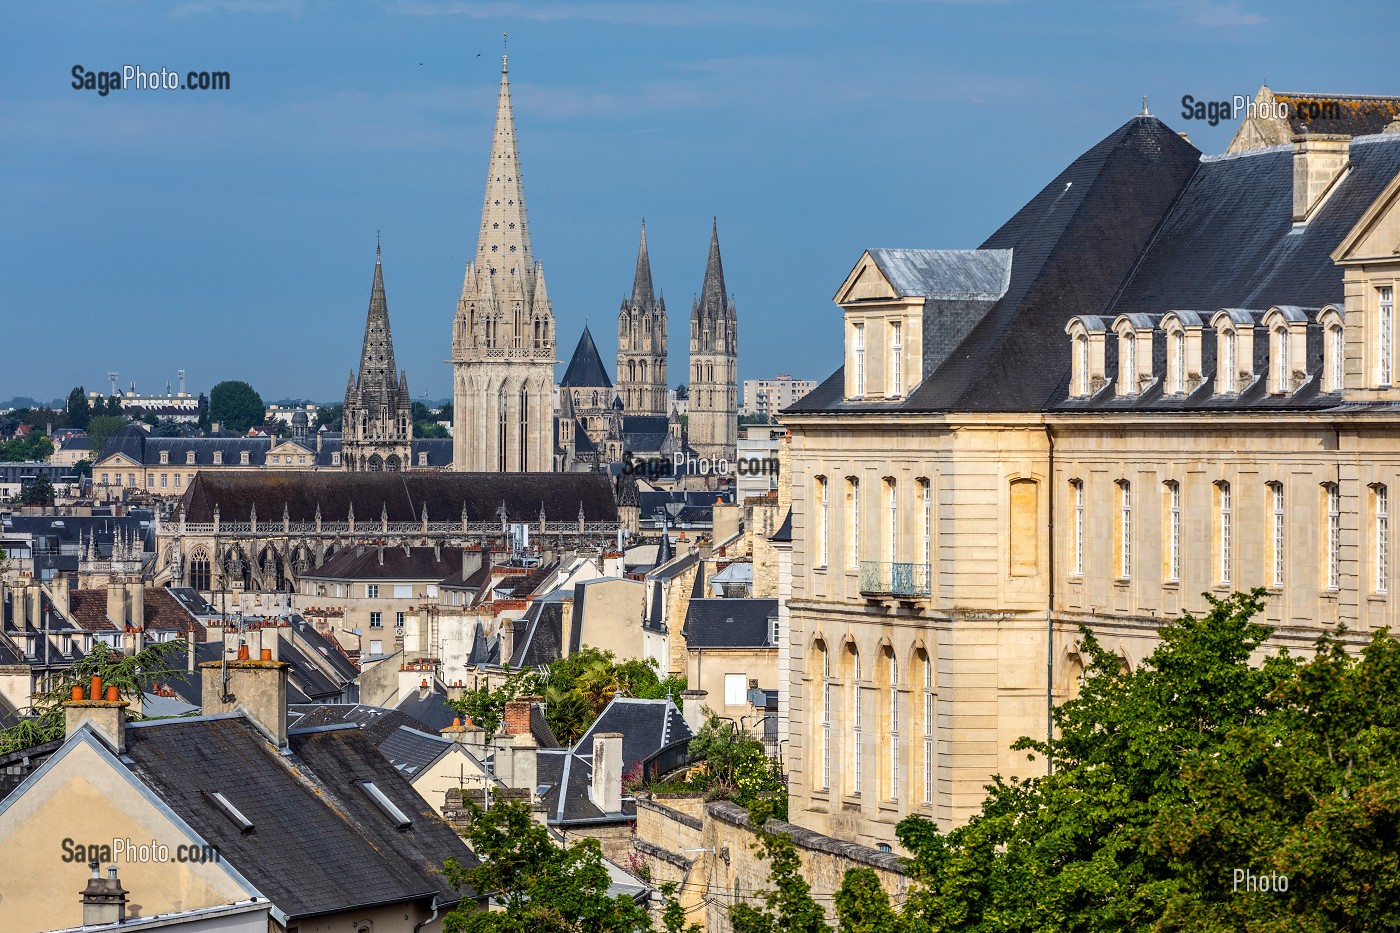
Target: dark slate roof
(378, 722)
(403, 494)
(784, 532)
(645, 424)
(135, 443)
(327, 649)
(946, 273)
(674, 567)
(388, 563)
(431, 710)
(319, 843)
(1358, 114)
(586, 368)
(411, 750)
(538, 635)
(729, 623)
(540, 730)
(438, 449)
(1072, 247)
(304, 673)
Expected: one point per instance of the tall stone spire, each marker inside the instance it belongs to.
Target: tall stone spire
(642, 343)
(376, 428)
(714, 350)
(503, 335)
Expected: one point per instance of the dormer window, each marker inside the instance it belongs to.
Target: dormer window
(243, 458)
(1087, 336)
(1288, 346)
(1176, 363)
(1333, 348)
(164, 457)
(896, 358)
(335, 458)
(1183, 333)
(1127, 363)
(1234, 330)
(1227, 361)
(1134, 352)
(189, 456)
(1278, 358)
(422, 459)
(218, 458)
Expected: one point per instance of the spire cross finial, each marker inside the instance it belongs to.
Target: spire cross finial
(504, 37)
(376, 246)
(1145, 111)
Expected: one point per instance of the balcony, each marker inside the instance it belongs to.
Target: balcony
(900, 580)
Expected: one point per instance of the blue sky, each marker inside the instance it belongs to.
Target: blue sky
(231, 234)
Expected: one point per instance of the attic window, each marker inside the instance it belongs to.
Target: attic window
(189, 456)
(243, 458)
(218, 457)
(233, 813)
(391, 810)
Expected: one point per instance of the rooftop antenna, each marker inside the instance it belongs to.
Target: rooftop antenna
(113, 376)
(181, 374)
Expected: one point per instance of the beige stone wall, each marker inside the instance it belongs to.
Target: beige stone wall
(707, 669)
(612, 617)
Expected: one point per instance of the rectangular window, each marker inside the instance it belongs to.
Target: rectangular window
(928, 730)
(1276, 538)
(371, 591)
(1125, 529)
(177, 480)
(826, 720)
(1281, 353)
(1382, 539)
(894, 728)
(403, 590)
(150, 481)
(104, 479)
(1336, 336)
(376, 646)
(857, 715)
(824, 522)
(398, 620)
(896, 358)
(1078, 485)
(1227, 385)
(1179, 362)
(893, 529)
(432, 591)
(1173, 531)
(853, 492)
(1386, 336)
(773, 631)
(1334, 536)
(735, 689)
(859, 342)
(1081, 350)
(189, 456)
(164, 480)
(926, 495)
(376, 620)
(1226, 532)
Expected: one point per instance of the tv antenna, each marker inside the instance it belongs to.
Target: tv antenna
(113, 376)
(181, 374)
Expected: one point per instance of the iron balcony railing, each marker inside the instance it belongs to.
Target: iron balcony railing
(895, 578)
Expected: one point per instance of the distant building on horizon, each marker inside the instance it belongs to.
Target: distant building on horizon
(770, 396)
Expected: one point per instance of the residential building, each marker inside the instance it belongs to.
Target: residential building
(935, 605)
(767, 397)
(377, 590)
(503, 341)
(731, 649)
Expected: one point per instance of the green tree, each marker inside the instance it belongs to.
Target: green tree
(329, 416)
(34, 446)
(788, 907)
(862, 905)
(540, 887)
(39, 492)
(78, 409)
(737, 766)
(236, 406)
(429, 429)
(100, 430)
(130, 674)
(83, 468)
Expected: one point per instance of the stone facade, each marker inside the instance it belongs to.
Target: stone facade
(503, 338)
(377, 425)
(642, 343)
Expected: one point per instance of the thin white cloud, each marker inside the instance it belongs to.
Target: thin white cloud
(1210, 14)
(292, 8)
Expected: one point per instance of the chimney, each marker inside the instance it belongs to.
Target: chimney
(136, 604)
(693, 708)
(104, 899)
(1318, 161)
(472, 559)
(116, 603)
(606, 792)
(257, 689)
(60, 590)
(517, 717)
(106, 716)
(525, 763)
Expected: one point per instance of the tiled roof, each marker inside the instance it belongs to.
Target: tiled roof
(162, 612)
(404, 495)
(319, 843)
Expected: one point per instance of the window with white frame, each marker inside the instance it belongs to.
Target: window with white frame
(896, 357)
(928, 729)
(164, 457)
(735, 689)
(399, 619)
(1078, 486)
(1227, 365)
(1382, 505)
(1334, 536)
(1277, 532)
(371, 591)
(376, 620)
(926, 501)
(1125, 529)
(1178, 362)
(1385, 342)
(1127, 345)
(858, 344)
(894, 727)
(824, 522)
(189, 456)
(892, 520)
(1282, 377)
(827, 697)
(1081, 361)
(857, 714)
(1227, 531)
(1335, 348)
(1173, 531)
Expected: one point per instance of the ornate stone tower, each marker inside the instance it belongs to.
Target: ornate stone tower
(714, 351)
(641, 343)
(503, 335)
(377, 428)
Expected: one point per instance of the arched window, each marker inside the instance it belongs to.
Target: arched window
(199, 570)
(823, 522)
(853, 513)
(1380, 501)
(1225, 525)
(892, 685)
(524, 427)
(1278, 356)
(644, 370)
(857, 717)
(501, 429)
(1177, 362)
(1228, 366)
(1334, 535)
(1335, 350)
(631, 370)
(828, 691)
(392, 464)
(375, 464)
(928, 724)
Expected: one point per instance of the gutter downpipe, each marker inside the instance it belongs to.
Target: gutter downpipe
(431, 917)
(1050, 608)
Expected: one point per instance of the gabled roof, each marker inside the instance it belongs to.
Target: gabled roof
(430, 707)
(319, 843)
(586, 368)
(729, 623)
(378, 722)
(412, 750)
(946, 274)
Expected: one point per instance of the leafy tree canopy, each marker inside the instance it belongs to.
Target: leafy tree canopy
(78, 408)
(100, 430)
(39, 492)
(236, 406)
(34, 446)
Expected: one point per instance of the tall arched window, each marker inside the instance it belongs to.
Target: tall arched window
(1173, 562)
(501, 429)
(1282, 373)
(857, 717)
(1125, 529)
(853, 538)
(828, 690)
(1334, 535)
(823, 522)
(1081, 361)
(1381, 504)
(1277, 555)
(892, 685)
(1335, 349)
(199, 570)
(1225, 522)
(1228, 365)
(928, 723)
(524, 427)
(1178, 362)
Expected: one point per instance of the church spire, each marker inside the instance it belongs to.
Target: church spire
(503, 248)
(377, 368)
(643, 294)
(714, 302)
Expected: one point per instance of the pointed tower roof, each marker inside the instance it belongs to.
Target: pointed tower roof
(504, 243)
(377, 369)
(643, 294)
(586, 366)
(714, 302)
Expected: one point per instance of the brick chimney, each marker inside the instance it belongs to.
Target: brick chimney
(106, 716)
(104, 899)
(606, 790)
(257, 689)
(517, 717)
(1318, 161)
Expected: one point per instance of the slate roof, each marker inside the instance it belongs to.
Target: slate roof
(729, 623)
(431, 710)
(784, 532)
(404, 495)
(305, 674)
(947, 274)
(1072, 245)
(412, 750)
(538, 636)
(141, 447)
(586, 369)
(1359, 114)
(319, 843)
(378, 722)
(388, 563)
(438, 449)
